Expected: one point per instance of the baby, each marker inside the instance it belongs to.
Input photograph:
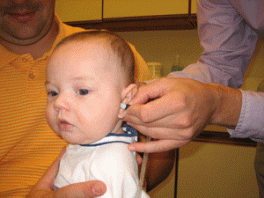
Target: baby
(88, 76)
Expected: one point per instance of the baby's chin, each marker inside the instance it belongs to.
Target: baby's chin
(80, 142)
(73, 138)
(68, 137)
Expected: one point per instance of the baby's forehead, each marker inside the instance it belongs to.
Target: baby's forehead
(100, 45)
(98, 49)
(95, 49)
(92, 41)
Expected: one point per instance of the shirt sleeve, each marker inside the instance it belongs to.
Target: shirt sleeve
(116, 166)
(228, 44)
(251, 120)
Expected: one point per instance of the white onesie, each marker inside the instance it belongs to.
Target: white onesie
(107, 160)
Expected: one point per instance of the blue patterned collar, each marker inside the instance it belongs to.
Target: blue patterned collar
(129, 136)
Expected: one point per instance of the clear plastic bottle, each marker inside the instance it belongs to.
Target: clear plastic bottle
(154, 68)
(176, 64)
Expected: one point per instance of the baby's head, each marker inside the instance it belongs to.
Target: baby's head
(88, 75)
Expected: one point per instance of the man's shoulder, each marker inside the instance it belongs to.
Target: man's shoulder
(71, 30)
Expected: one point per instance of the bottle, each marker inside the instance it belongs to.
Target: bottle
(154, 68)
(176, 64)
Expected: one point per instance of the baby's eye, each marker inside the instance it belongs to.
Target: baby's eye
(83, 92)
(53, 93)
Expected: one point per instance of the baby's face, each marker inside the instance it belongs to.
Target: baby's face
(84, 92)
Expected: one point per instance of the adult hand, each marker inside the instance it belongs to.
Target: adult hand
(44, 187)
(180, 110)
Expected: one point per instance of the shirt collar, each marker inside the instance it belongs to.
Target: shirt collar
(129, 136)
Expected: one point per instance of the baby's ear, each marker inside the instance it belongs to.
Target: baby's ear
(127, 94)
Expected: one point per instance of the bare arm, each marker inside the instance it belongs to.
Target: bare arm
(159, 167)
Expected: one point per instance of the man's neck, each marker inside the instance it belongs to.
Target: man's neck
(37, 49)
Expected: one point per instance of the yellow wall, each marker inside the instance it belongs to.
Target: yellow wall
(212, 171)
(162, 46)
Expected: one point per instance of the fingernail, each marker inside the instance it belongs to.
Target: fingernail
(99, 189)
(131, 148)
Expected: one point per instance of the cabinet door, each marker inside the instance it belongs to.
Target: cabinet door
(133, 8)
(79, 10)
(194, 7)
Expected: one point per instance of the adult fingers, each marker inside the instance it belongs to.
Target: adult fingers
(88, 189)
(149, 91)
(177, 120)
(142, 96)
(154, 110)
(139, 159)
(164, 132)
(157, 146)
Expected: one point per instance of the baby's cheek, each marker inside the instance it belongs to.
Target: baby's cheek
(49, 117)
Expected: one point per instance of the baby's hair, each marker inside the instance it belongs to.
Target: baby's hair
(118, 45)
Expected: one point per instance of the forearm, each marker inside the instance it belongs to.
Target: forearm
(159, 167)
(228, 103)
(239, 110)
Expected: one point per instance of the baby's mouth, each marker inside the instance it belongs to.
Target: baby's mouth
(65, 126)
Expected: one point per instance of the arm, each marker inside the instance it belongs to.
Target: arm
(159, 167)
(228, 45)
(183, 108)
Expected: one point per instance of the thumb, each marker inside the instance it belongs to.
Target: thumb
(156, 146)
(87, 189)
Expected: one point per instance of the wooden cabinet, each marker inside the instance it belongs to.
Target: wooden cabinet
(137, 8)
(79, 10)
(128, 15)
(193, 7)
